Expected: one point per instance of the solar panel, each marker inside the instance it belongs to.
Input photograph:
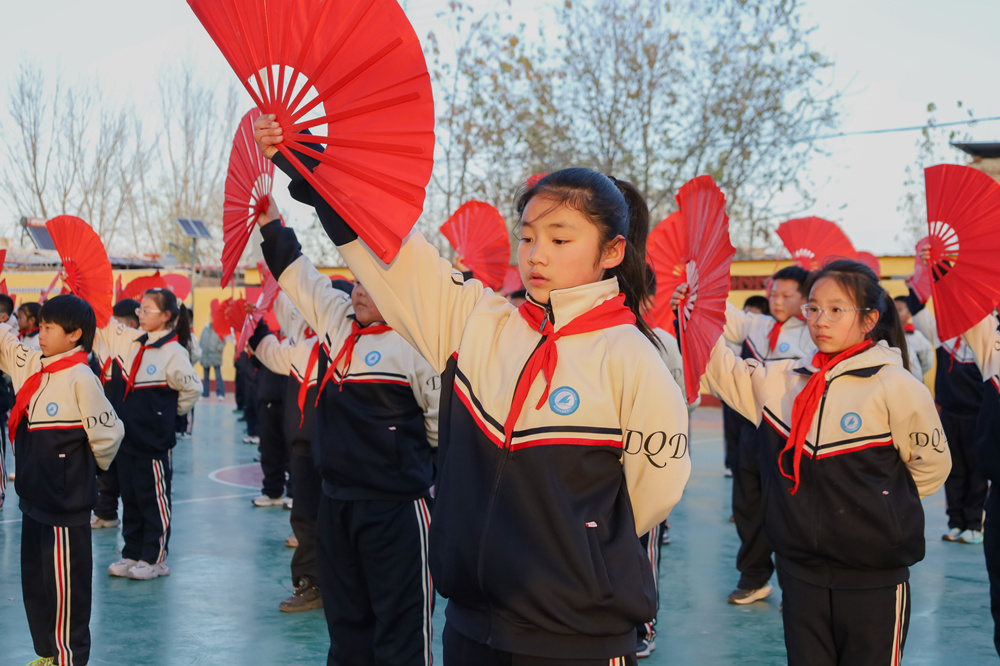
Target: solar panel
(40, 235)
(193, 228)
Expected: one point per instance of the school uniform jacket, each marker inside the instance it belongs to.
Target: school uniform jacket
(984, 341)
(373, 431)
(958, 384)
(293, 325)
(752, 330)
(921, 351)
(874, 448)
(166, 385)
(30, 340)
(534, 539)
(68, 431)
(291, 360)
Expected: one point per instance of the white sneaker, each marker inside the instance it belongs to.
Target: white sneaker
(145, 571)
(220, 398)
(121, 567)
(97, 523)
(951, 535)
(288, 503)
(251, 440)
(264, 500)
(970, 536)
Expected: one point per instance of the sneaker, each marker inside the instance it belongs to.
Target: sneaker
(665, 537)
(951, 535)
(96, 522)
(644, 647)
(264, 500)
(292, 541)
(970, 536)
(10, 477)
(220, 398)
(42, 661)
(251, 439)
(121, 567)
(288, 503)
(743, 597)
(145, 571)
(728, 473)
(305, 598)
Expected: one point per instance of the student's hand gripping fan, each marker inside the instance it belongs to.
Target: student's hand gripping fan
(707, 257)
(352, 72)
(86, 268)
(963, 218)
(269, 292)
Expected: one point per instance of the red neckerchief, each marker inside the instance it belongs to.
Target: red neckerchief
(28, 389)
(347, 352)
(104, 370)
(611, 312)
(805, 406)
(909, 327)
(304, 386)
(772, 337)
(953, 353)
(27, 333)
(130, 382)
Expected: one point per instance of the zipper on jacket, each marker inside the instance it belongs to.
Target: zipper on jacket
(493, 498)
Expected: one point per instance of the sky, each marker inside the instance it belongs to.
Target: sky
(892, 58)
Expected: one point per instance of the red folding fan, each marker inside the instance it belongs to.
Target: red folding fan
(137, 287)
(85, 262)
(813, 241)
(220, 324)
(236, 313)
(871, 261)
(179, 284)
(478, 233)
(3, 258)
(533, 180)
(44, 294)
(665, 252)
(353, 73)
(920, 281)
(512, 280)
(248, 187)
(119, 290)
(3, 290)
(963, 216)
(708, 254)
(268, 292)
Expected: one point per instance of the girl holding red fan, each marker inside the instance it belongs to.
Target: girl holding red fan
(554, 456)
(160, 384)
(851, 443)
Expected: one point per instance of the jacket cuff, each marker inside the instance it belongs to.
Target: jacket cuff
(913, 302)
(259, 333)
(280, 247)
(333, 224)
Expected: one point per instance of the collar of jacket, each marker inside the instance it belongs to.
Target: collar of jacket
(52, 359)
(565, 305)
(879, 355)
(153, 336)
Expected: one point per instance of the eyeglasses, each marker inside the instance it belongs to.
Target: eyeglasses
(146, 311)
(833, 314)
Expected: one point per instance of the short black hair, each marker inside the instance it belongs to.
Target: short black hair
(6, 305)
(125, 309)
(343, 285)
(70, 313)
(796, 274)
(758, 302)
(900, 299)
(31, 308)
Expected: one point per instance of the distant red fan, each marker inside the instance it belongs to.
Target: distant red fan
(137, 287)
(359, 66)
(236, 313)
(3, 258)
(268, 292)
(533, 180)
(44, 294)
(3, 290)
(512, 280)
(813, 241)
(707, 257)
(179, 284)
(85, 262)
(871, 261)
(665, 252)
(963, 216)
(921, 279)
(220, 324)
(119, 290)
(478, 233)
(248, 187)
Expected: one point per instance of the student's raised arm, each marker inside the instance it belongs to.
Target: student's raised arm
(117, 338)
(732, 380)
(15, 359)
(984, 341)
(276, 356)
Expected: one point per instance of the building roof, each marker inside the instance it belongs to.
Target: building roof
(984, 149)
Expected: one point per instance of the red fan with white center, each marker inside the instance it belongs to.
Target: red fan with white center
(85, 263)
(665, 253)
(512, 280)
(708, 254)
(248, 187)
(268, 292)
(352, 72)
(139, 286)
(813, 242)
(478, 233)
(871, 261)
(921, 281)
(963, 216)
(179, 284)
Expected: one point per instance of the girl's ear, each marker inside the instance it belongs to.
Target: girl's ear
(869, 322)
(614, 254)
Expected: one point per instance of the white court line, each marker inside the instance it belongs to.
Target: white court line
(183, 501)
(214, 476)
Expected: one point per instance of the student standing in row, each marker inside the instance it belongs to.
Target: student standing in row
(212, 347)
(160, 384)
(27, 323)
(64, 430)
(6, 398)
(852, 442)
